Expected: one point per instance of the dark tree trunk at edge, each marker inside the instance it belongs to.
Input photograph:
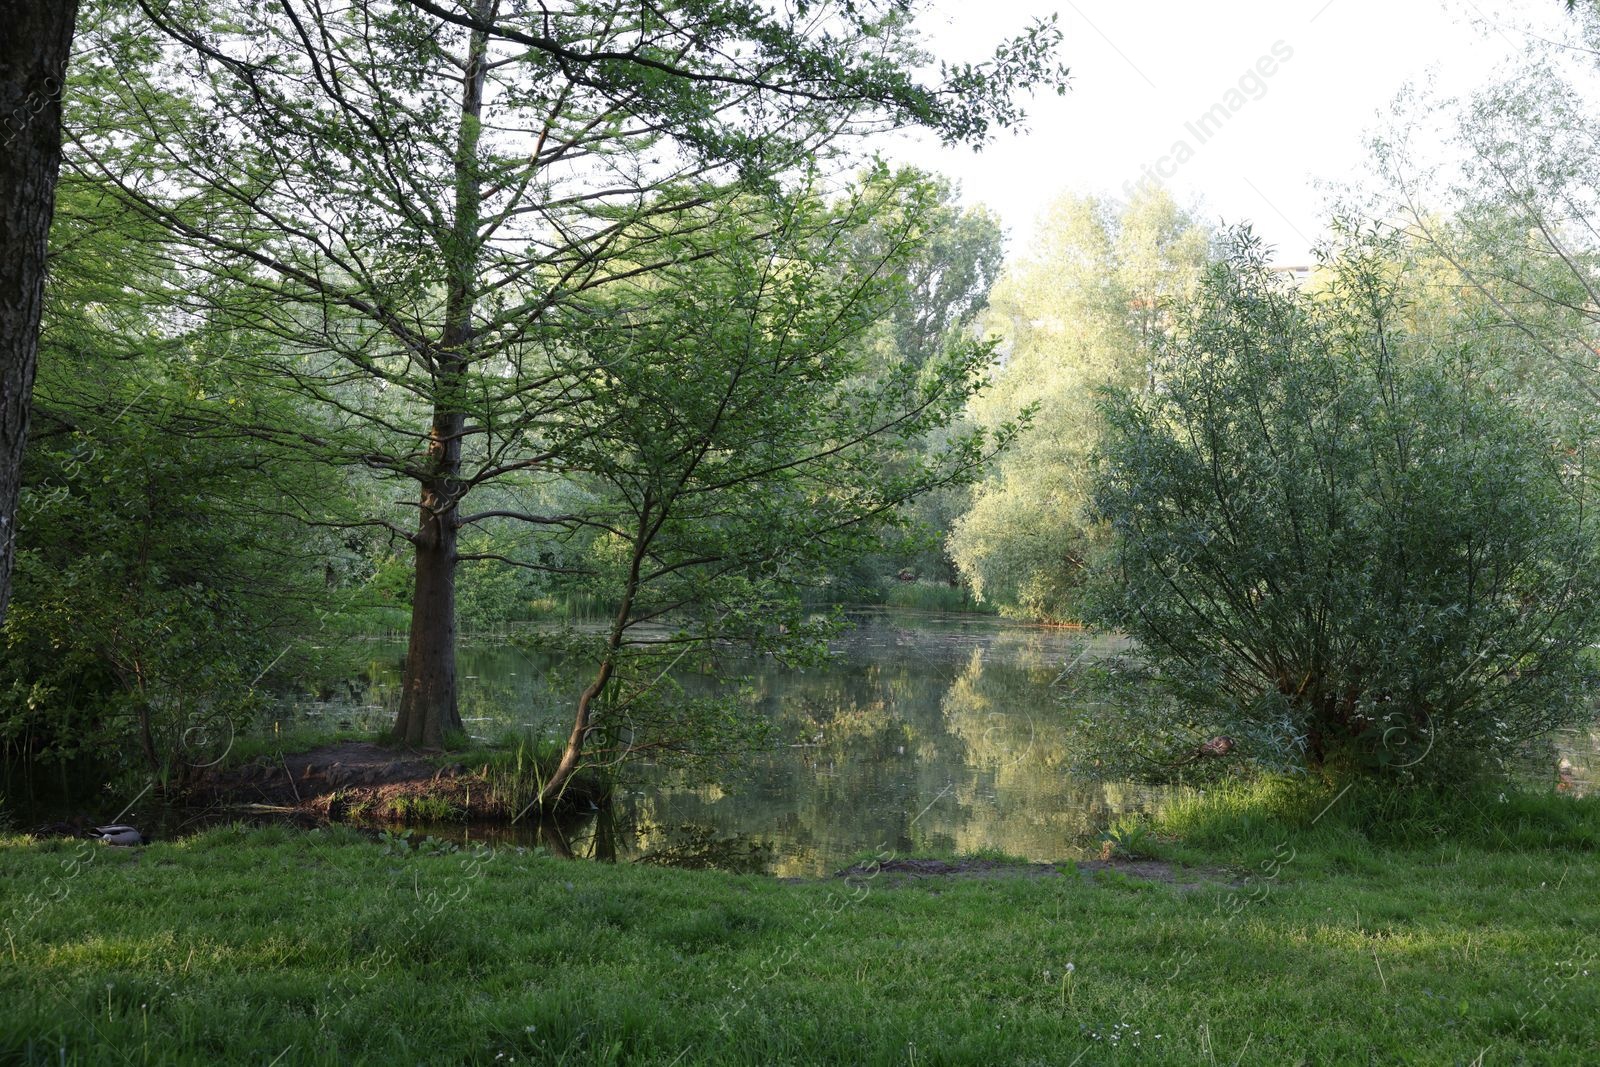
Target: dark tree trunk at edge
(33, 67)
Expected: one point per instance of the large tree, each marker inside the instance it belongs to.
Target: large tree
(1078, 311)
(419, 194)
(33, 71)
(1499, 187)
(947, 283)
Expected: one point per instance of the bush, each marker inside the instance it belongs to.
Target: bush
(154, 593)
(162, 581)
(1336, 540)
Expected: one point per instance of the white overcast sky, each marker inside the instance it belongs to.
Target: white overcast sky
(1142, 70)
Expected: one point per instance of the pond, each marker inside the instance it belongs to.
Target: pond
(923, 734)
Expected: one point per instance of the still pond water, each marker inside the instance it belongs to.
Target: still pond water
(924, 733)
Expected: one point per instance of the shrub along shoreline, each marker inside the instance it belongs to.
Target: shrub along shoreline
(1374, 927)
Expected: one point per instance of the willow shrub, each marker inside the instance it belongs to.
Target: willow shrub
(1334, 538)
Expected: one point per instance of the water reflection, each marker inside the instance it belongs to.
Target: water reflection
(926, 734)
(933, 734)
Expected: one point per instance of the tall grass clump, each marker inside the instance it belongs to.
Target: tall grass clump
(934, 596)
(1281, 814)
(517, 768)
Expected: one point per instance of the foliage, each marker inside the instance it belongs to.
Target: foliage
(1334, 538)
(948, 278)
(1507, 209)
(1078, 312)
(1125, 721)
(162, 582)
(931, 596)
(1127, 837)
(418, 200)
(744, 444)
(490, 593)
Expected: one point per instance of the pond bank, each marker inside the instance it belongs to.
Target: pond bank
(365, 780)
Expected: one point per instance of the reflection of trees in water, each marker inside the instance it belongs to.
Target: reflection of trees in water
(909, 740)
(1580, 747)
(1567, 760)
(909, 744)
(858, 745)
(1018, 795)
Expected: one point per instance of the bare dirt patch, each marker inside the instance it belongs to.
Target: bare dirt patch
(355, 778)
(903, 872)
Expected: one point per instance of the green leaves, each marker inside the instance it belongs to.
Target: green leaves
(1333, 521)
(163, 576)
(744, 445)
(1078, 312)
(495, 245)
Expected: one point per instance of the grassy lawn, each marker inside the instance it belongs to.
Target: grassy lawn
(1473, 938)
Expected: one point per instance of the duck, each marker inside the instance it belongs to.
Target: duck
(1565, 778)
(117, 834)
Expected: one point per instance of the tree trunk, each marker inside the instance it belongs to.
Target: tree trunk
(582, 721)
(33, 70)
(583, 715)
(428, 707)
(428, 704)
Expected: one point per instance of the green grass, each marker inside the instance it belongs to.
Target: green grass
(933, 596)
(269, 745)
(423, 809)
(514, 768)
(990, 855)
(1376, 931)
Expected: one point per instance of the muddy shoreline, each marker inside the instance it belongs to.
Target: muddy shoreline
(363, 780)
